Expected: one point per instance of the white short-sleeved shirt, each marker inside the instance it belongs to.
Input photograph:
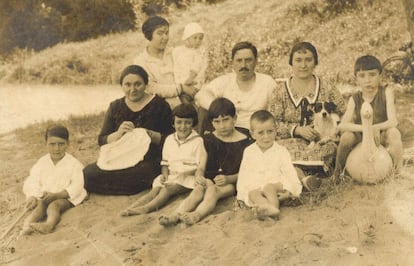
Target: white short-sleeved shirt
(260, 168)
(246, 102)
(182, 156)
(67, 175)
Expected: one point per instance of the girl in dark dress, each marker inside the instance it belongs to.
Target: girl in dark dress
(137, 109)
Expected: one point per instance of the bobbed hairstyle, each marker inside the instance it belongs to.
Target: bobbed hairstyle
(261, 116)
(367, 62)
(304, 46)
(57, 131)
(221, 107)
(136, 70)
(185, 110)
(151, 24)
(243, 45)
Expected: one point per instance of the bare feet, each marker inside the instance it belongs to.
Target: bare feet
(43, 228)
(169, 220)
(266, 211)
(134, 211)
(190, 218)
(26, 230)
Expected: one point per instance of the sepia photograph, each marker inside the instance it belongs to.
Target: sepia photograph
(206, 132)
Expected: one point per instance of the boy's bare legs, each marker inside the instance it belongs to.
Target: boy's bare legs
(188, 204)
(394, 146)
(37, 214)
(346, 144)
(212, 195)
(53, 212)
(266, 201)
(141, 201)
(160, 199)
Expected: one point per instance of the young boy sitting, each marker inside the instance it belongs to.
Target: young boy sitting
(55, 183)
(266, 169)
(367, 75)
(182, 166)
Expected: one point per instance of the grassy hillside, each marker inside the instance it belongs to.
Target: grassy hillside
(375, 27)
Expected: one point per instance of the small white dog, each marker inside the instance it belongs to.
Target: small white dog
(325, 121)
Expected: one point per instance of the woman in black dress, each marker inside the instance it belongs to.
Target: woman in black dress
(137, 109)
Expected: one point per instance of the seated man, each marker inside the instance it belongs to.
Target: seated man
(248, 90)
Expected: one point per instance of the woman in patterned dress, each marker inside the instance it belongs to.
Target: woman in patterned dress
(291, 104)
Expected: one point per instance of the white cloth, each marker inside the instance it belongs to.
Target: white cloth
(191, 29)
(45, 176)
(181, 157)
(160, 76)
(189, 59)
(260, 168)
(126, 152)
(246, 102)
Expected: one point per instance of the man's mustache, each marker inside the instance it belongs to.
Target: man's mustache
(243, 69)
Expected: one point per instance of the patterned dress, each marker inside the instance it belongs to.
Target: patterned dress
(290, 111)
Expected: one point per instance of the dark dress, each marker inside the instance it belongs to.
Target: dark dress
(156, 116)
(224, 157)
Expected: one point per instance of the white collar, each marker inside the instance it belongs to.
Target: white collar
(312, 97)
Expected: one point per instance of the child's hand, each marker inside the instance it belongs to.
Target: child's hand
(31, 203)
(200, 180)
(164, 179)
(48, 197)
(189, 82)
(282, 195)
(190, 90)
(220, 180)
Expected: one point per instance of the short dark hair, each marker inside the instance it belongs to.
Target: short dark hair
(367, 62)
(243, 45)
(136, 70)
(57, 131)
(261, 116)
(221, 107)
(151, 24)
(185, 110)
(304, 46)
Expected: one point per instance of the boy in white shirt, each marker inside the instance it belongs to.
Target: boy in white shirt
(266, 169)
(55, 183)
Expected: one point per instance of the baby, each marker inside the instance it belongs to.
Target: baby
(190, 59)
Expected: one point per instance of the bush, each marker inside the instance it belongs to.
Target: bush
(155, 7)
(335, 7)
(37, 24)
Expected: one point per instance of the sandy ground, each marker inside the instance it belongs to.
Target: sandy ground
(359, 225)
(348, 225)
